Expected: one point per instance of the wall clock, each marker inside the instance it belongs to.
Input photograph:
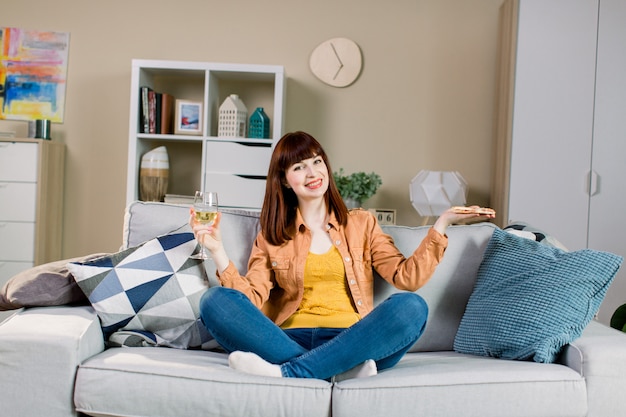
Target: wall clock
(337, 62)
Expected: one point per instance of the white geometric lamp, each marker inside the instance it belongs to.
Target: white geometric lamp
(433, 192)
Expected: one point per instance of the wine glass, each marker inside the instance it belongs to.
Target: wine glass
(205, 208)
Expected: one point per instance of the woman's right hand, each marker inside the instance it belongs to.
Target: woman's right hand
(208, 235)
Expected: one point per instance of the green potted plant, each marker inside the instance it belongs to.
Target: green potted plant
(356, 187)
(618, 319)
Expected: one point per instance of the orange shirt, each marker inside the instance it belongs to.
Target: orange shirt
(275, 278)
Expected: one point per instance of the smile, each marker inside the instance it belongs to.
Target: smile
(314, 184)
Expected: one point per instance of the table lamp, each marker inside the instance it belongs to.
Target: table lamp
(433, 192)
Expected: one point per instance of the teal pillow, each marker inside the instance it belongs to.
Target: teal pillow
(531, 299)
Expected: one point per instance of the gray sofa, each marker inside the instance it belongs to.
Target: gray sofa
(53, 360)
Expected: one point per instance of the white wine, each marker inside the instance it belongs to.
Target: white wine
(205, 217)
(205, 206)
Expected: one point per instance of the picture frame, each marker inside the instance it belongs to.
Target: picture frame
(188, 117)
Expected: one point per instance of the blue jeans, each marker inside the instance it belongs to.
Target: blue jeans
(384, 335)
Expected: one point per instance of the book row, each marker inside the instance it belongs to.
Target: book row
(156, 112)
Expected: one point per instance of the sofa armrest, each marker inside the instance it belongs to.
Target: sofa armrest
(599, 355)
(40, 350)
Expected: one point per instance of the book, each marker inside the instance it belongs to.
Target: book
(152, 111)
(178, 199)
(156, 111)
(167, 113)
(144, 112)
(157, 114)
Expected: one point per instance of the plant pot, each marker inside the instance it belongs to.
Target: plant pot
(351, 203)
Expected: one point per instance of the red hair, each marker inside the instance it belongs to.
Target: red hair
(280, 205)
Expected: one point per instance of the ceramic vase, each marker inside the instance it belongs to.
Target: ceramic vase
(259, 126)
(233, 118)
(154, 174)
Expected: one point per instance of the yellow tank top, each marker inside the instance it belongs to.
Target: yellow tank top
(326, 301)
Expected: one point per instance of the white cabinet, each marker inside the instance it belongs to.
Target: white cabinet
(561, 131)
(31, 204)
(234, 167)
(607, 224)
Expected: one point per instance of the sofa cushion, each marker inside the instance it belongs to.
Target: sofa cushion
(141, 382)
(147, 220)
(50, 284)
(152, 288)
(451, 384)
(532, 299)
(450, 287)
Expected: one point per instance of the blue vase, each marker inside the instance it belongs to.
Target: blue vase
(259, 126)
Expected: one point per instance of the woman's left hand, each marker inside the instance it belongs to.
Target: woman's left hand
(449, 217)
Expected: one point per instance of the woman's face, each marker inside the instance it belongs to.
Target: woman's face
(308, 178)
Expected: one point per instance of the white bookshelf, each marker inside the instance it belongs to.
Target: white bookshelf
(234, 167)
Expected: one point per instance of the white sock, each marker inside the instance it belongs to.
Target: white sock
(364, 370)
(251, 363)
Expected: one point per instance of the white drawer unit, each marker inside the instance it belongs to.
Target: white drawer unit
(245, 191)
(17, 241)
(18, 161)
(240, 184)
(31, 203)
(25, 193)
(237, 158)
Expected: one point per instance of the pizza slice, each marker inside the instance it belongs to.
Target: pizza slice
(474, 210)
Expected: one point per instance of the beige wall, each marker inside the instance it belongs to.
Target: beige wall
(424, 99)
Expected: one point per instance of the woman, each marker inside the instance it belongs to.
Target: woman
(305, 307)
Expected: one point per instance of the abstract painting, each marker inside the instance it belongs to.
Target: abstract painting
(33, 74)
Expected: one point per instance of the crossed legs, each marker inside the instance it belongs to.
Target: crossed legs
(378, 341)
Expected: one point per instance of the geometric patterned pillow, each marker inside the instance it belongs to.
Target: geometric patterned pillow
(152, 289)
(524, 229)
(531, 299)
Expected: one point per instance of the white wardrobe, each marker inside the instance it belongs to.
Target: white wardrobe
(560, 154)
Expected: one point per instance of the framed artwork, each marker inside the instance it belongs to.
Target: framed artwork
(33, 74)
(188, 118)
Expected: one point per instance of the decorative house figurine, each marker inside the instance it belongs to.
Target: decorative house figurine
(233, 117)
(153, 175)
(259, 124)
